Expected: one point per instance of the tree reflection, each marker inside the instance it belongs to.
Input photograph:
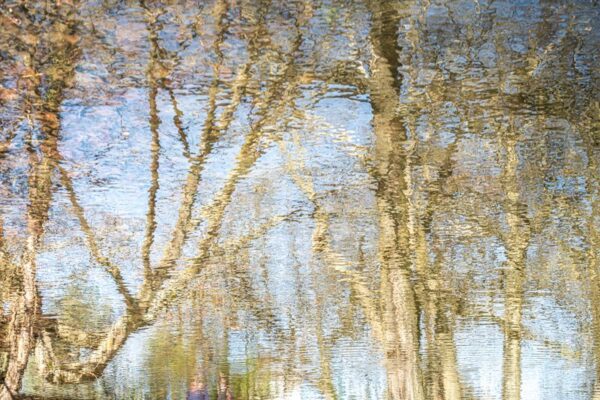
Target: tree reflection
(50, 55)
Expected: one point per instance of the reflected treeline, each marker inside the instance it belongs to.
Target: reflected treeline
(306, 199)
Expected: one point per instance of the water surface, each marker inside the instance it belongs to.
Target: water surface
(267, 199)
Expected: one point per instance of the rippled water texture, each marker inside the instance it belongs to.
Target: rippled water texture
(269, 199)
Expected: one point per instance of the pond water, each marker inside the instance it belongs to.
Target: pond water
(328, 199)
